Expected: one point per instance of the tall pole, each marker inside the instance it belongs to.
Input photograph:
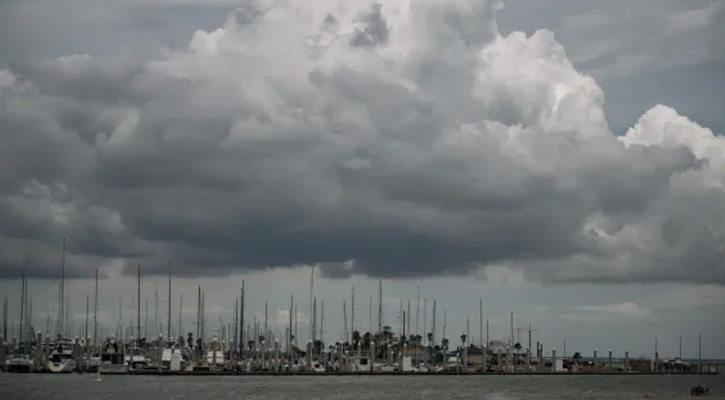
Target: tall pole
(480, 322)
(5, 319)
(407, 321)
(21, 332)
(168, 320)
(198, 313)
(95, 313)
(312, 306)
(699, 352)
(380, 306)
(512, 329)
(680, 356)
(241, 321)
(433, 328)
(344, 319)
(181, 307)
(61, 294)
(322, 323)
(266, 329)
(370, 314)
(88, 307)
(487, 337)
(425, 319)
(417, 310)
(156, 306)
(352, 311)
(314, 319)
(138, 304)
(289, 331)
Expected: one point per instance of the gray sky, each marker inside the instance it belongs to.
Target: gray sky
(560, 159)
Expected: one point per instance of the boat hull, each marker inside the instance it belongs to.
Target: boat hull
(64, 367)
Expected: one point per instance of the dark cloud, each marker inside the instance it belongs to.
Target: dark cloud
(269, 143)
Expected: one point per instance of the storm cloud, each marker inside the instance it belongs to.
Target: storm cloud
(396, 139)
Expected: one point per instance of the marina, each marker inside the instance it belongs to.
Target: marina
(255, 349)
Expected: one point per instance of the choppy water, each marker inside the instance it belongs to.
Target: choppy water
(79, 387)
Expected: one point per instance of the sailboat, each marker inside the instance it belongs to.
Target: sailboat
(61, 359)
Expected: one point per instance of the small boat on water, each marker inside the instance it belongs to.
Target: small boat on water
(61, 359)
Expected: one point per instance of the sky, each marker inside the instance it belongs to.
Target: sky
(562, 160)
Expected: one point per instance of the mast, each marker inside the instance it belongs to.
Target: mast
(168, 321)
(352, 311)
(322, 323)
(5, 319)
(266, 329)
(241, 320)
(88, 308)
(445, 322)
(344, 318)
(198, 313)
(155, 331)
(138, 304)
(417, 310)
(408, 319)
(370, 314)
(512, 329)
(312, 306)
(425, 320)
(314, 319)
(433, 328)
(480, 323)
(289, 331)
(181, 307)
(61, 294)
(295, 324)
(95, 313)
(380, 306)
(21, 333)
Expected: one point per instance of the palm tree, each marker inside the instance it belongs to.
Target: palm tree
(577, 356)
(444, 343)
(355, 338)
(463, 340)
(430, 338)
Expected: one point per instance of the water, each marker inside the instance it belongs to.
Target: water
(79, 387)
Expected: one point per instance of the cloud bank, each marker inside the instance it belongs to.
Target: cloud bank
(396, 139)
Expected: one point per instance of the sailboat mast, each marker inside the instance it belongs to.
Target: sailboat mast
(61, 293)
(138, 303)
(95, 313)
(21, 334)
(88, 306)
(380, 306)
(168, 319)
(352, 311)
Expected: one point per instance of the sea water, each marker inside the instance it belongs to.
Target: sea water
(115, 387)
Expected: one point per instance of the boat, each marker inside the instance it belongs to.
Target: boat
(61, 359)
(136, 358)
(19, 361)
(112, 359)
(172, 357)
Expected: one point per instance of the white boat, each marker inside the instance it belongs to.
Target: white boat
(172, 357)
(19, 362)
(215, 356)
(61, 359)
(136, 358)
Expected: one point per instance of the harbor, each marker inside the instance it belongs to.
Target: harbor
(244, 348)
